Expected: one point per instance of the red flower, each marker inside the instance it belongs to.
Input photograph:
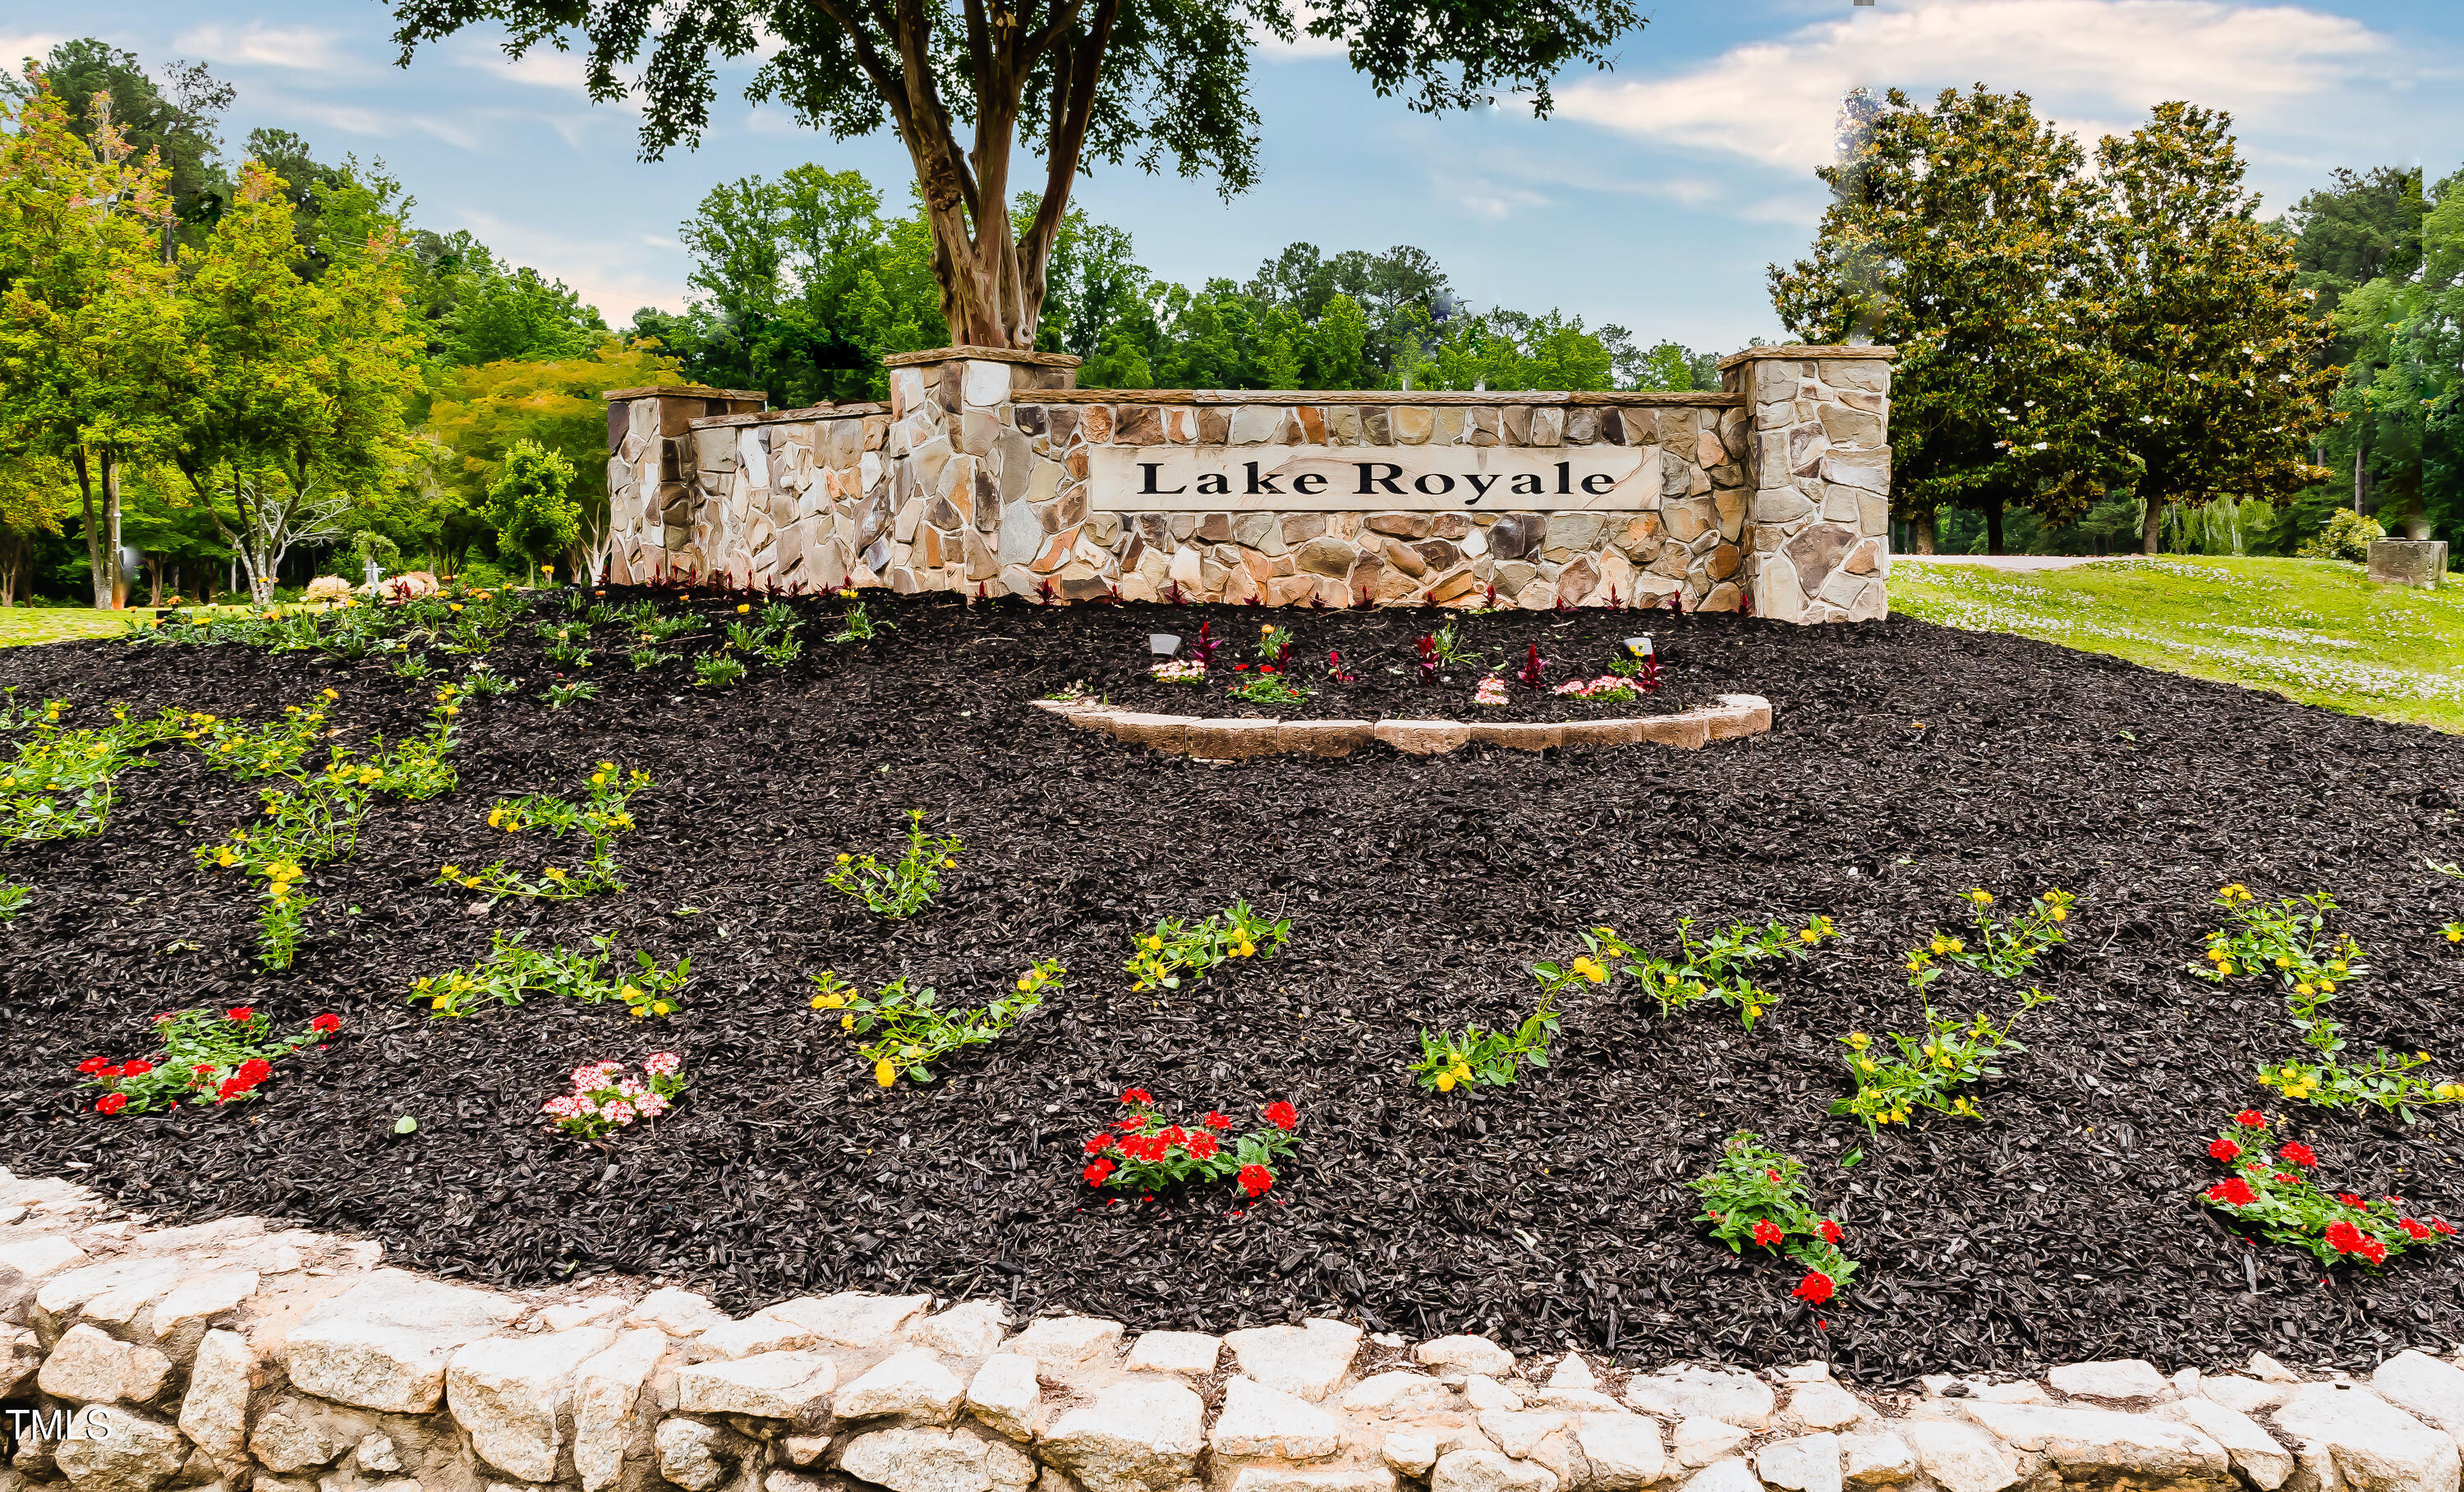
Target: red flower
(202, 1069)
(2344, 1237)
(136, 1069)
(2442, 1227)
(2286, 1176)
(111, 1103)
(1136, 1096)
(2235, 1192)
(1171, 1135)
(1830, 1231)
(1814, 1288)
(255, 1070)
(2416, 1231)
(1282, 1115)
(1255, 1179)
(1265, 668)
(240, 1012)
(114, 1070)
(1096, 1172)
(2351, 1200)
(92, 1065)
(2374, 1250)
(2250, 1118)
(2295, 1153)
(1216, 1120)
(1773, 1174)
(327, 1024)
(1202, 1146)
(162, 1018)
(1766, 1233)
(1131, 1123)
(2225, 1150)
(1099, 1142)
(1238, 667)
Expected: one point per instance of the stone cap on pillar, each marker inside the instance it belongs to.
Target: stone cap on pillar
(688, 391)
(1800, 350)
(977, 354)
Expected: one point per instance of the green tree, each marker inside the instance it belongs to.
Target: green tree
(289, 391)
(2212, 375)
(1086, 81)
(173, 119)
(83, 298)
(1955, 233)
(33, 500)
(528, 503)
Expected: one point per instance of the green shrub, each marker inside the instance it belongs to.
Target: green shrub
(2347, 537)
(528, 503)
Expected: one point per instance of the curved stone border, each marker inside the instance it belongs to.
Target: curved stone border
(234, 1356)
(1736, 715)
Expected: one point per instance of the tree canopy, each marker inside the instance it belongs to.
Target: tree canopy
(1147, 82)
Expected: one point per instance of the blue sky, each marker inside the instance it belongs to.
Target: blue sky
(1653, 198)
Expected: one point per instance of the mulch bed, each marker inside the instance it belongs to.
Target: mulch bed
(1906, 764)
(1375, 646)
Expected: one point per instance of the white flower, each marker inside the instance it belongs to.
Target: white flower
(2040, 445)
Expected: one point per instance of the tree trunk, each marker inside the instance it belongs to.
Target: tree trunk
(2152, 525)
(1994, 525)
(96, 571)
(111, 507)
(2357, 475)
(1925, 538)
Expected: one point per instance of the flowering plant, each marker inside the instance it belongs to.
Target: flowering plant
(2279, 1196)
(62, 783)
(1176, 948)
(408, 586)
(1703, 969)
(207, 1056)
(1179, 671)
(903, 888)
(1266, 686)
(1608, 686)
(1481, 1058)
(606, 815)
(1335, 668)
(603, 1102)
(1140, 1152)
(1952, 1055)
(2004, 951)
(1275, 647)
(2289, 939)
(1205, 646)
(1424, 650)
(1755, 1196)
(1491, 692)
(1534, 670)
(512, 971)
(914, 1031)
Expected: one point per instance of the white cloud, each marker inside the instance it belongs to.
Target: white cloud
(303, 48)
(17, 46)
(619, 273)
(2086, 62)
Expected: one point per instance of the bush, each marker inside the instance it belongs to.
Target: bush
(2347, 537)
(528, 504)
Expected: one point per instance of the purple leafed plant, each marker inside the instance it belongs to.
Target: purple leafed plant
(1206, 645)
(1426, 646)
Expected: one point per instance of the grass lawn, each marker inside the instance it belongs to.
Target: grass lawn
(2311, 630)
(20, 625)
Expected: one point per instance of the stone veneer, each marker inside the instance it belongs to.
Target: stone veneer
(1734, 718)
(239, 1356)
(974, 477)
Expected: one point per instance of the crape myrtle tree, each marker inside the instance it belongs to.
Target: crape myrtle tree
(2214, 378)
(1954, 232)
(1082, 80)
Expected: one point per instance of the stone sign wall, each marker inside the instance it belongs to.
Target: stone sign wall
(989, 471)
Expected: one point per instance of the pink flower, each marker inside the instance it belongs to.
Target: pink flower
(660, 1064)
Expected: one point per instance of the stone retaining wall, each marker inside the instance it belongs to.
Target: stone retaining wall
(241, 1356)
(989, 473)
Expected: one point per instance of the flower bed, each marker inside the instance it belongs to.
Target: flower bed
(2050, 1207)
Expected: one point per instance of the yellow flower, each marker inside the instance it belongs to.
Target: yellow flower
(2455, 932)
(844, 859)
(831, 1002)
(2059, 914)
(2326, 987)
(1447, 1081)
(1981, 897)
(846, 1023)
(744, 608)
(1154, 943)
(884, 1074)
(449, 873)
(1244, 950)
(660, 1007)
(2338, 966)
(1859, 1040)
(947, 863)
(1590, 970)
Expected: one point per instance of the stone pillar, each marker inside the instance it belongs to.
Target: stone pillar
(651, 496)
(963, 470)
(1818, 535)
(2409, 561)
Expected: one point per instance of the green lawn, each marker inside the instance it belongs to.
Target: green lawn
(20, 625)
(2310, 630)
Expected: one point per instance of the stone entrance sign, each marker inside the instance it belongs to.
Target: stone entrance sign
(1347, 479)
(988, 472)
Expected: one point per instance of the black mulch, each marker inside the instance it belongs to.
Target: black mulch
(2064, 1226)
(1374, 649)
